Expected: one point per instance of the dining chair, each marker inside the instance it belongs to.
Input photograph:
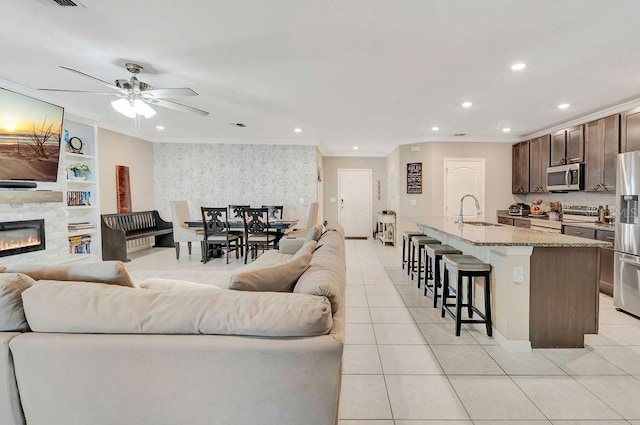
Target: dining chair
(256, 229)
(182, 232)
(312, 221)
(275, 211)
(216, 232)
(235, 211)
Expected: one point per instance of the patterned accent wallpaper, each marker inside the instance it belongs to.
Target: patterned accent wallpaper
(219, 175)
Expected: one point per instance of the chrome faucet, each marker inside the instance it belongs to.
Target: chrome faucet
(478, 211)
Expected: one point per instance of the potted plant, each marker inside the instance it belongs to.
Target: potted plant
(80, 171)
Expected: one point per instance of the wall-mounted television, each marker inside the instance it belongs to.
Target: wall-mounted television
(30, 132)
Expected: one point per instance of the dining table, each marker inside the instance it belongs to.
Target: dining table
(278, 224)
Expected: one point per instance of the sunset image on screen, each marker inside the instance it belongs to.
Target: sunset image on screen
(30, 132)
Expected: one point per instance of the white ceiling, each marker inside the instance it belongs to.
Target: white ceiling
(371, 73)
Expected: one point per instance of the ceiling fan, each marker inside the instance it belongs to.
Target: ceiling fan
(137, 96)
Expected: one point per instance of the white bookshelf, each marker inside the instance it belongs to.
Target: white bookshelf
(81, 195)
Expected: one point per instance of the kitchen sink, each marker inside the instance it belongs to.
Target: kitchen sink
(480, 223)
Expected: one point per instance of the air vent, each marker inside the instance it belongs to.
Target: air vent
(238, 124)
(65, 3)
(459, 134)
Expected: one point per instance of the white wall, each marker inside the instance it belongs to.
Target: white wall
(332, 164)
(137, 154)
(219, 175)
(497, 176)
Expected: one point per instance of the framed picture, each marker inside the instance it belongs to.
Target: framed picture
(414, 177)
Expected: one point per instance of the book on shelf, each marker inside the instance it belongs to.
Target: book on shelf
(84, 225)
(78, 198)
(80, 244)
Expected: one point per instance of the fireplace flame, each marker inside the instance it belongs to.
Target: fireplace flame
(30, 241)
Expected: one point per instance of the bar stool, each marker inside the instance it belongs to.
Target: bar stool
(466, 266)
(406, 246)
(433, 255)
(419, 242)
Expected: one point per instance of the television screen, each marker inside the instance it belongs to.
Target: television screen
(30, 132)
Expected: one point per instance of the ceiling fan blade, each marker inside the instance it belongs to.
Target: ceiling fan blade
(80, 91)
(178, 92)
(96, 79)
(177, 106)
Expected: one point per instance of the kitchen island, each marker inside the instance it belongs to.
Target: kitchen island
(544, 286)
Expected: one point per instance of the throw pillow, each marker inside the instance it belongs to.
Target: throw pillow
(11, 311)
(166, 285)
(109, 272)
(314, 233)
(277, 278)
(307, 248)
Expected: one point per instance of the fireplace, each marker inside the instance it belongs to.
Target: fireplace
(18, 237)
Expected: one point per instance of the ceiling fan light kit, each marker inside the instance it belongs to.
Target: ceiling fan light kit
(131, 108)
(135, 95)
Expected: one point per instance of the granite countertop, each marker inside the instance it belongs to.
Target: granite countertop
(504, 235)
(586, 225)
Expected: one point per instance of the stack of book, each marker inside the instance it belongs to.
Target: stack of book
(82, 225)
(80, 244)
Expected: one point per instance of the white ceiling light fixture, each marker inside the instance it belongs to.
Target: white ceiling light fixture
(297, 130)
(467, 104)
(435, 128)
(506, 130)
(355, 148)
(160, 127)
(563, 106)
(518, 66)
(130, 108)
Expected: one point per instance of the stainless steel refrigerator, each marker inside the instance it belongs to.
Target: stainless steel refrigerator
(626, 275)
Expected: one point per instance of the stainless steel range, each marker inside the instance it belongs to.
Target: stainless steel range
(626, 275)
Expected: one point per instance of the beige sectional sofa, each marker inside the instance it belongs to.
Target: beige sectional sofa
(105, 354)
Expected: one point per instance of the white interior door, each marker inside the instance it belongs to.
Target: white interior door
(463, 176)
(354, 209)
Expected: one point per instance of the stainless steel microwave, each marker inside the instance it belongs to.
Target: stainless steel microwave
(565, 177)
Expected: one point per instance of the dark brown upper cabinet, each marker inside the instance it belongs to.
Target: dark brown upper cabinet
(567, 146)
(630, 137)
(602, 145)
(538, 163)
(520, 168)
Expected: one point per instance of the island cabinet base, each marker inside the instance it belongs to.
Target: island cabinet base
(563, 296)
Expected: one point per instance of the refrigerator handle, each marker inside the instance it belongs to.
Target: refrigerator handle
(635, 263)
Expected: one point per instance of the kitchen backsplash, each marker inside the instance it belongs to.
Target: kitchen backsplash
(581, 198)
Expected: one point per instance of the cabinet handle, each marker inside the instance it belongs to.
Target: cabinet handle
(574, 159)
(611, 238)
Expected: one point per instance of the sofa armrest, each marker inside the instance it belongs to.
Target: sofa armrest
(10, 408)
(290, 245)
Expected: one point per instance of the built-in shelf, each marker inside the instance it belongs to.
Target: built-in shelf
(81, 207)
(79, 156)
(14, 196)
(72, 181)
(82, 232)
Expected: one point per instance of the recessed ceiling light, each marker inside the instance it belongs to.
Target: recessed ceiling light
(160, 127)
(355, 148)
(436, 128)
(518, 66)
(563, 105)
(506, 129)
(297, 130)
(467, 104)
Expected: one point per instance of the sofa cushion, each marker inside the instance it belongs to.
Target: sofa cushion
(11, 313)
(86, 307)
(160, 284)
(276, 278)
(109, 272)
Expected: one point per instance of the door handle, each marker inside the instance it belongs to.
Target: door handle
(631, 263)
(566, 177)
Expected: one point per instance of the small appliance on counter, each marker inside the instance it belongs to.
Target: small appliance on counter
(520, 209)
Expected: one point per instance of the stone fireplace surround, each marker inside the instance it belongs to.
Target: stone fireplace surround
(54, 215)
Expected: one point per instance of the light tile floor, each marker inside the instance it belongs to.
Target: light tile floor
(403, 364)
